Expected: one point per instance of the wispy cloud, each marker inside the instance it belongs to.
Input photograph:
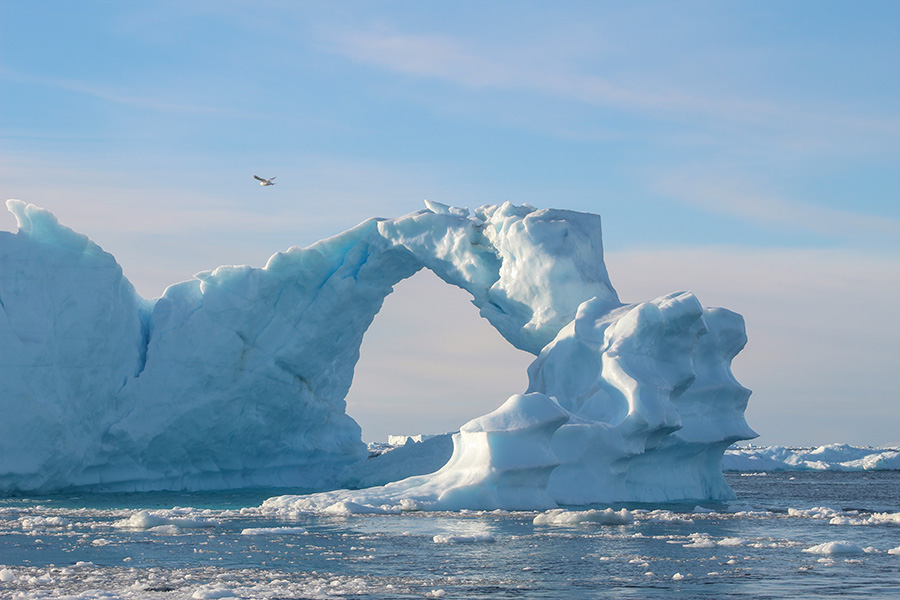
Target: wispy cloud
(735, 197)
(540, 72)
(125, 95)
(447, 58)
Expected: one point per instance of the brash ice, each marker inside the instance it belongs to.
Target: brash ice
(237, 378)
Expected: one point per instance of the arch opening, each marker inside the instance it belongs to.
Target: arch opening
(429, 363)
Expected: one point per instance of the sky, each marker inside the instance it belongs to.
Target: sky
(746, 151)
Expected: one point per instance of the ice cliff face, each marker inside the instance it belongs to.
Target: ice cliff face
(71, 336)
(238, 377)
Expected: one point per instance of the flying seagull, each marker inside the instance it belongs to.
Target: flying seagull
(264, 181)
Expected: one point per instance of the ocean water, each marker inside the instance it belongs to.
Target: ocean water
(218, 545)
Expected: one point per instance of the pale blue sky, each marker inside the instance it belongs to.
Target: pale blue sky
(747, 151)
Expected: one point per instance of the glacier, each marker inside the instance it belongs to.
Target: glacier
(238, 377)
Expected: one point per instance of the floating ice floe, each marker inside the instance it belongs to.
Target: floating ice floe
(576, 517)
(849, 517)
(838, 547)
(38, 522)
(146, 520)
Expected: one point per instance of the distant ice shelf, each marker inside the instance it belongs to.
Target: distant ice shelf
(830, 457)
(237, 378)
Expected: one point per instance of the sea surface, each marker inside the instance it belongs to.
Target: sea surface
(789, 535)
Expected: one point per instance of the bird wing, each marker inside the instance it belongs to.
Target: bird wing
(272, 178)
(258, 178)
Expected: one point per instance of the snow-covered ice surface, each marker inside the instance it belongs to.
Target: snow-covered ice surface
(237, 379)
(801, 535)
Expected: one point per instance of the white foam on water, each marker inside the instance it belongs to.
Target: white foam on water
(274, 531)
(464, 539)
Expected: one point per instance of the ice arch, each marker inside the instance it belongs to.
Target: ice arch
(238, 377)
(429, 363)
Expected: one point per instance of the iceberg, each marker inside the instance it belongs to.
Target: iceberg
(238, 377)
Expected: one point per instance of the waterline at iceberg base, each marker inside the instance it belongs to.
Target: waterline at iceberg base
(237, 378)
